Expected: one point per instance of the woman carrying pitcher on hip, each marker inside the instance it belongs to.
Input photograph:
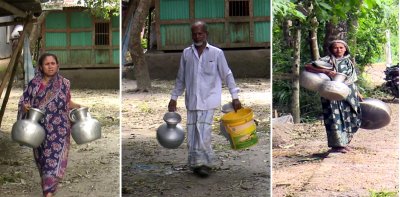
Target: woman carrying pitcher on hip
(341, 118)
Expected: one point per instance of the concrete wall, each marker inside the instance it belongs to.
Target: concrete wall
(243, 63)
(92, 78)
(5, 43)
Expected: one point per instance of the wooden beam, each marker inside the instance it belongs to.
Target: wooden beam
(17, 12)
(12, 66)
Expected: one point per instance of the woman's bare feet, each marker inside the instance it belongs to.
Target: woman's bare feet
(49, 195)
(340, 149)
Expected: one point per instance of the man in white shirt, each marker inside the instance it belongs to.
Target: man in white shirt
(202, 69)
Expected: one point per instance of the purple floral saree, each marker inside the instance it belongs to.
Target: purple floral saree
(53, 99)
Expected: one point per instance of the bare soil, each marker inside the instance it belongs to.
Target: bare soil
(151, 170)
(302, 165)
(93, 168)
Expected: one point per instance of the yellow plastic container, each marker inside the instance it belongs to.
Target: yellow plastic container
(241, 128)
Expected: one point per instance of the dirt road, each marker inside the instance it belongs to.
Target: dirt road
(151, 170)
(93, 169)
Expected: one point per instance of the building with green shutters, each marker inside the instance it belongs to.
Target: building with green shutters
(231, 23)
(242, 28)
(87, 48)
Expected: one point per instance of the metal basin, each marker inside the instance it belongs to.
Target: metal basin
(312, 81)
(334, 90)
(375, 114)
(322, 64)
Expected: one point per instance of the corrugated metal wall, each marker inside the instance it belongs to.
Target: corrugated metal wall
(262, 32)
(175, 34)
(71, 36)
(217, 33)
(261, 7)
(174, 9)
(209, 9)
(248, 25)
(239, 32)
(5, 42)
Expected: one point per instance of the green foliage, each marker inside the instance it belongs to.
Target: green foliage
(144, 43)
(371, 33)
(285, 8)
(383, 194)
(103, 9)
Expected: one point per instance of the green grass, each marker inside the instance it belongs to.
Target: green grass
(382, 194)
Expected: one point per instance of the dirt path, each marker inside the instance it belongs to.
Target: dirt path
(93, 169)
(302, 166)
(150, 170)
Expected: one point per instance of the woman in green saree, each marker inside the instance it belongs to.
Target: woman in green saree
(341, 118)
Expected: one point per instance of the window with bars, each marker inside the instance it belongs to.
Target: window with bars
(239, 8)
(102, 34)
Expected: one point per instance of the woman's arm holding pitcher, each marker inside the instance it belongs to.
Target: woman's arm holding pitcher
(73, 105)
(313, 69)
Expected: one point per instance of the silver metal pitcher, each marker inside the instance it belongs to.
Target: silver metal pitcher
(85, 128)
(171, 134)
(28, 131)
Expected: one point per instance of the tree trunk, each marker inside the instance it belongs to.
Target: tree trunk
(352, 39)
(36, 33)
(314, 39)
(295, 72)
(36, 29)
(334, 32)
(141, 70)
(287, 24)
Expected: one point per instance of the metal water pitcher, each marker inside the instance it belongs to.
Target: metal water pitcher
(85, 128)
(171, 134)
(28, 131)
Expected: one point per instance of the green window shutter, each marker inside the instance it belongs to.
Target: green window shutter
(261, 7)
(262, 31)
(81, 38)
(115, 21)
(175, 35)
(174, 9)
(58, 20)
(116, 56)
(102, 57)
(209, 9)
(81, 57)
(54, 39)
(239, 32)
(80, 20)
(115, 38)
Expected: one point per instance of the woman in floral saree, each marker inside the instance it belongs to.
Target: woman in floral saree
(341, 118)
(50, 92)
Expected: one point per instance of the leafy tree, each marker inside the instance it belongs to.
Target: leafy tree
(103, 8)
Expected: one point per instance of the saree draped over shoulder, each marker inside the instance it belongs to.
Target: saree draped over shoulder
(53, 99)
(342, 118)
